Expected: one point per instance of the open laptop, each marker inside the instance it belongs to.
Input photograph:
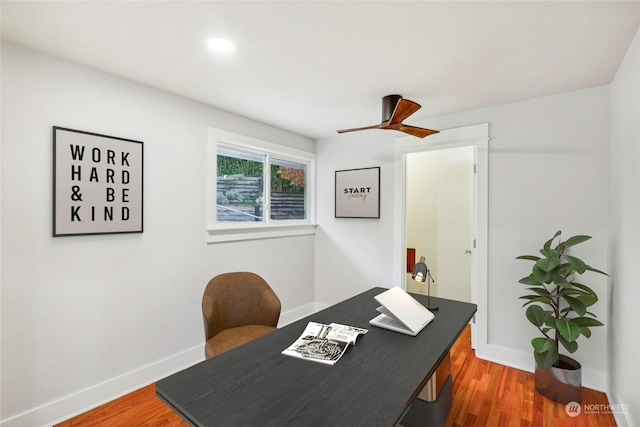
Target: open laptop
(400, 312)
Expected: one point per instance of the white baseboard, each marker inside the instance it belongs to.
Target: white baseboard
(299, 313)
(505, 356)
(623, 417)
(91, 397)
(69, 406)
(591, 378)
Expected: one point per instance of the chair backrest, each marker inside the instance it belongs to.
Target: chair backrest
(238, 299)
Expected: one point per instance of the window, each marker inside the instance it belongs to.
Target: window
(258, 189)
(239, 186)
(287, 194)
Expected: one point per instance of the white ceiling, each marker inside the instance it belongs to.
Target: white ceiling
(316, 66)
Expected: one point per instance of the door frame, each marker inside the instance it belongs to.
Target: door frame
(476, 136)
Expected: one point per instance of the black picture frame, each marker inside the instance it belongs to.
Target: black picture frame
(357, 193)
(97, 183)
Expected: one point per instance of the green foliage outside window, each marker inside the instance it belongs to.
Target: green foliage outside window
(234, 166)
(283, 178)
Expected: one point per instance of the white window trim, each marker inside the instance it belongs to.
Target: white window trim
(229, 232)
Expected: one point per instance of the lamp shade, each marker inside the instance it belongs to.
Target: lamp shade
(419, 273)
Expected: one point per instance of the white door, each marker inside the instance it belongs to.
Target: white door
(439, 215)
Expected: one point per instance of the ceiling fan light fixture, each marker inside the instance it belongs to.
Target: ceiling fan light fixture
(220, 45)
(389, 104)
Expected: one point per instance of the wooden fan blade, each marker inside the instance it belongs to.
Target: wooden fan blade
(416, 131)
(403, 109)
(363, 128)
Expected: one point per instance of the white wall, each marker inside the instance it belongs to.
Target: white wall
(548, 170)
(353, 255)
(85, 318)
(624, 345)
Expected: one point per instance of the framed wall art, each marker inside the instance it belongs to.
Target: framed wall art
(358, 193)
(97, 183)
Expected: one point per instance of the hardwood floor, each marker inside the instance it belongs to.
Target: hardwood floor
(489, 394)
(484, 394)
(137, 409)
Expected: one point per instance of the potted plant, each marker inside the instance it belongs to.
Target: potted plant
(558, 305)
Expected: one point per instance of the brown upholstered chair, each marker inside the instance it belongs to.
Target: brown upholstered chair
(237, 308)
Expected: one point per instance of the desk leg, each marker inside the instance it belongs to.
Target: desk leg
(442, 373)
(434, 401)
(432, 413)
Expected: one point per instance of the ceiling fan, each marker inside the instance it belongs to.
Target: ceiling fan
(395, 109)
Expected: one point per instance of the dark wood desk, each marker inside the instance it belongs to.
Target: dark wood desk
(374, 383)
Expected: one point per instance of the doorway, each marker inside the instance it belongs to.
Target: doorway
(439, 219)
(477, 138)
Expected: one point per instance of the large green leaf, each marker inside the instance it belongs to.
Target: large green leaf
(586, 322)
(588, 300)
(571, 346)
(586, 332)
(547, 358)
(561, 281)
(540, 275)
(536, 298)
(577, 305)
(540, 291)
(529, 257)
(577, 264)
(584, 288)
(570, 292)
(550, 320)
(530, 280)
(548, 264)
(569, 330)
(566, 270)
(554, 253)
(595, 270)
(548, 243)
(542, 345)
(574, 240)
(535, 314)
(589, 297)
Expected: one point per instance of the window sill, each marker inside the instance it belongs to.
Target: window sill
(234, 234)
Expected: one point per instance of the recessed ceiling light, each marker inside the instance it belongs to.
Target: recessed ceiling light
(220, 45)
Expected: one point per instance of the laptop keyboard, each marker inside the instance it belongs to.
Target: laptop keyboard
(392, 322)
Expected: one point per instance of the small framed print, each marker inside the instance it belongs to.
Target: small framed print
(358, 193)
(97, 183)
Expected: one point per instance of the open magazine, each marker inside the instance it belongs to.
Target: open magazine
(324, 343)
